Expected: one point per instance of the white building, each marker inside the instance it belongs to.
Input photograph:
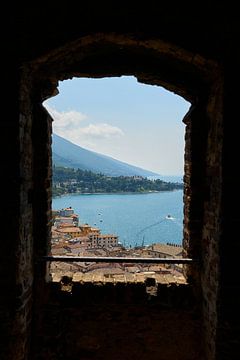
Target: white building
(66, 212)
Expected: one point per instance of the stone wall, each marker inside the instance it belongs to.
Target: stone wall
(17, 242)
(202, 195)
(202, 133)
(117, 321)
(187, 50)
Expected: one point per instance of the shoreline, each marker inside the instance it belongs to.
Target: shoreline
(118, 193)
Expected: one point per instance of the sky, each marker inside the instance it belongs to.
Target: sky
(122, 118)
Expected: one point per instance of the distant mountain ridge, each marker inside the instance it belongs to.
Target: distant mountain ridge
(67, 154)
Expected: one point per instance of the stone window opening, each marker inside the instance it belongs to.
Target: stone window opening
(151, 62)
(176, 270)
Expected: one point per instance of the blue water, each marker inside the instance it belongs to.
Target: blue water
(136, 218)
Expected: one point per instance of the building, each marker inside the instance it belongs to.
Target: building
(103, 240)
(66, 224)
(66, 212)
(87, 229)
(72, 231)
(71, 219)
(164, 250)
(59, 221)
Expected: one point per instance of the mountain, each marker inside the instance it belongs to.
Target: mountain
(67, 154)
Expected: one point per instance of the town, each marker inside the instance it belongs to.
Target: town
(71, 238)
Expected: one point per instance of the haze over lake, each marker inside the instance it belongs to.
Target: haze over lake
(136, 218)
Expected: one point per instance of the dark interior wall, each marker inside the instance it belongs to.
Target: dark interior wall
(202, 28)
(117, 321)
(228, 332)
(153, 62)
(189, 39)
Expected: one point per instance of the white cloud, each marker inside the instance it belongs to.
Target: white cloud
(101, 131)
(68, 125)
(65, 120)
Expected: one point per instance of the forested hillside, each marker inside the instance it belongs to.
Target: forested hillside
(68, 180)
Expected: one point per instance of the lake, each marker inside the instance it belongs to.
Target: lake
(138, 219)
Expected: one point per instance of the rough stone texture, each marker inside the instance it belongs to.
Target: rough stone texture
(118, 322)
(189, 49)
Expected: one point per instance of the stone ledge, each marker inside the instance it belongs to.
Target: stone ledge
(101, 279)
